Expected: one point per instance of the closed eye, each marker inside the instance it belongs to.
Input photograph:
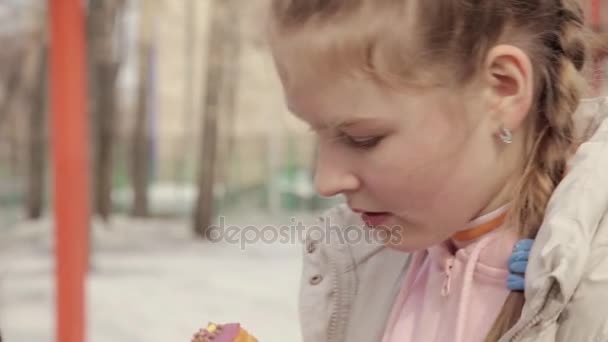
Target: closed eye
(360, 142)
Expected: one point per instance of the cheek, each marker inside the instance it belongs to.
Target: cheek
(410, 175)
(418, 189)
(435, 184)
(431, 204)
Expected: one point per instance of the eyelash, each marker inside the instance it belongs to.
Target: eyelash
(363, 144)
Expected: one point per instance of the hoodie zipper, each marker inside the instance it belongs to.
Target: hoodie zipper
(335, 288)
(447, 281)
(342, 296)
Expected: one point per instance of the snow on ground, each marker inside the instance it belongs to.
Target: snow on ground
(151, 282)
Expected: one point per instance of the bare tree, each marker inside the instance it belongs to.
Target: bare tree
(13, 82)
(140, 147)
(222, 55)
(17, 64)
(16, 50)
(104, 65)
(190, 44)
(37, 136)
(230, 80)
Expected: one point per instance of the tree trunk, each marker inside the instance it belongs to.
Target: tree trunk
(140, 148)
(230, 84)
(140, 144)
(14, 88)
(190, 40)
(13, 84)
(223, 15)
(106, 115)
(104, 67)
(37, 139)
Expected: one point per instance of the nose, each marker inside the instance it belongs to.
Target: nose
(332, 175)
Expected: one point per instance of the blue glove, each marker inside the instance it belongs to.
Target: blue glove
(517, 265)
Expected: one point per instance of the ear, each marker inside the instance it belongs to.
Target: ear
(508, 71)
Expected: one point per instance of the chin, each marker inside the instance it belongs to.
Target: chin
(391, 237)
(408, 243)
(408, 248)
(404, 245)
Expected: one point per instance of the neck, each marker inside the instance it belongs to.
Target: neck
(482, 225)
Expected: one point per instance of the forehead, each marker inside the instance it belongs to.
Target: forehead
(323, 93)
(324, 102)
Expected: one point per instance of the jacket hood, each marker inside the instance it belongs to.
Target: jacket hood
(562, 247)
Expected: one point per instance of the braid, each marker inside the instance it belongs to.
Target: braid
(558, 98)
(553, 131)
(571, 26)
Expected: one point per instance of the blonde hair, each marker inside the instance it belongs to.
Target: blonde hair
(386, 40)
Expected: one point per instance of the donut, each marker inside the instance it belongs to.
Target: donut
(231, 332)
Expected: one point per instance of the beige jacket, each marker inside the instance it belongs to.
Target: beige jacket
(349, 282)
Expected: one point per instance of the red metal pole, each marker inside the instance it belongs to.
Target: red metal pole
(70, 165)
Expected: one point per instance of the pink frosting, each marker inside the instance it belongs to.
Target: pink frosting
(229, 332)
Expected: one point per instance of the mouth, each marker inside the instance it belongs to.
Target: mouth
(373, 218)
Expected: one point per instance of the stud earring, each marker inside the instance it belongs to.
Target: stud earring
(505, 135)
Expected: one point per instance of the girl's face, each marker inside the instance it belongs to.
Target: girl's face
(418, 163)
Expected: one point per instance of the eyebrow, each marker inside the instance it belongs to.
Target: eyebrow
(354, 121)
(341, 125)
(338, 124)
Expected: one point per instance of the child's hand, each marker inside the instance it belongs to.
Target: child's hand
(518, 263)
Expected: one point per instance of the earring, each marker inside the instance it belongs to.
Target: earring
(505, 135)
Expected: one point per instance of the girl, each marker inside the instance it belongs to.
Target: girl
(453, 127)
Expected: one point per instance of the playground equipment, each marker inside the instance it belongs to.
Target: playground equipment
(70, 164)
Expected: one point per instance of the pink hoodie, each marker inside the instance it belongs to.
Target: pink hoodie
(454, 291)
